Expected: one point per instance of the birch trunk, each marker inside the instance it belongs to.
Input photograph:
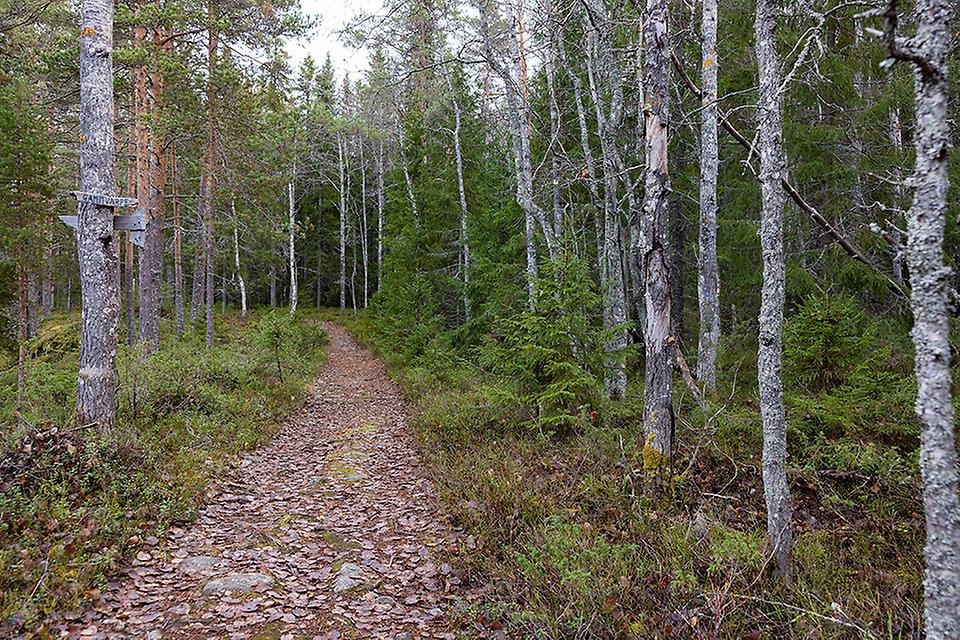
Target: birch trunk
(773, 166)
(213, 40)
(99, 263)
(464, 239)
(343, 224)
(291, 248)
(381, 197)
(928, 51)
(708, 270)
(364, 231)
(273, 286)
(177, 247)
(657, 392)
(608, 114)
(236, 262)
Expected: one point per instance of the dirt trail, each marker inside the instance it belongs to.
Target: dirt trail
(330, 531)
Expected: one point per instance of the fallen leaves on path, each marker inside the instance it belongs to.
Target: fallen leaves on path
(331, 531)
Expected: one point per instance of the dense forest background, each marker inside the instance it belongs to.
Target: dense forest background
(479, 198)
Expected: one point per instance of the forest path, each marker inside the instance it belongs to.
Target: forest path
(330, 531)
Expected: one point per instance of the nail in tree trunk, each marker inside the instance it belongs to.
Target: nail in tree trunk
(177, 247)
(708, 270)
(343, 223)
(236, 261)
(928, 52)
(658, 391)
(292, 247)
(99, 264)
(213, 39)
(773, 166)
(464, 241)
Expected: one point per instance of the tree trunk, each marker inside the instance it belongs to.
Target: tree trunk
(236, 261)
(343, 223)
(151, 257)
(46, 292)
(292, 246)
(708, 270)
(99, 264)
(608, 116)
(363, 227)
(464, 239)
(381, 197)
(657, 393)
(177, 247)
(773, 167)
(129, 282)
(213, 39)
(21, 322)
(928, 52)
(273, 286)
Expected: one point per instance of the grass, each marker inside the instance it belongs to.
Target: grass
(561, 527)
(76, 503)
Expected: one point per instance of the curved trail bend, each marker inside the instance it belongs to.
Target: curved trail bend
(329, 531)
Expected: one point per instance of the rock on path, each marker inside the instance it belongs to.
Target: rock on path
(330, 531)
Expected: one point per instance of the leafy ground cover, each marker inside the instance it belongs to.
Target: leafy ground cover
(547, 481)
(76, 502)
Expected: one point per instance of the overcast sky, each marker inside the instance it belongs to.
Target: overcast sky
(333, 16)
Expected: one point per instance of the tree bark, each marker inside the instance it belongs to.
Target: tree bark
(773, 166)
(292, 249)
(99, 263)
(658, 392)
(21, 322)
(708, 270)
(364, 229)
(381, 197)
(928, 53)
(461, 190)
(177, 247)
(46, 291)
(129, 282)
(343, 222)
(236, 261)
(213, 39)
(151, 257)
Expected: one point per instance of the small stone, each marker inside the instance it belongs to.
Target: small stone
(198, 564)
(237, 582)
(403, 635)
(349, 577)
(385, 600)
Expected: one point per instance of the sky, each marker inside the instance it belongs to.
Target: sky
(333, 15)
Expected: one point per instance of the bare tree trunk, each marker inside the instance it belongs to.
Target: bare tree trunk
(381, 196)
(364, 229)
(520, 129)
(773, 166)
(213, 39)
(21, 322)
(343, 222)
(549, 68)
(99, 263)
(292, 249)
(708, 270)
(129, 282)
(273, 286)
(46, 291)
(658, 392)
(896, 139)
(928, 53)
(177, 247)
(609, 114)
(151, 257)
(236, 261)
(464, 238)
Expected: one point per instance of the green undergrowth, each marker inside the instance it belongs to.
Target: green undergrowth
(560, 523)
(77, 502)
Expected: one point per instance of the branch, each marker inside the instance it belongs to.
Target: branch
(804, 206)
